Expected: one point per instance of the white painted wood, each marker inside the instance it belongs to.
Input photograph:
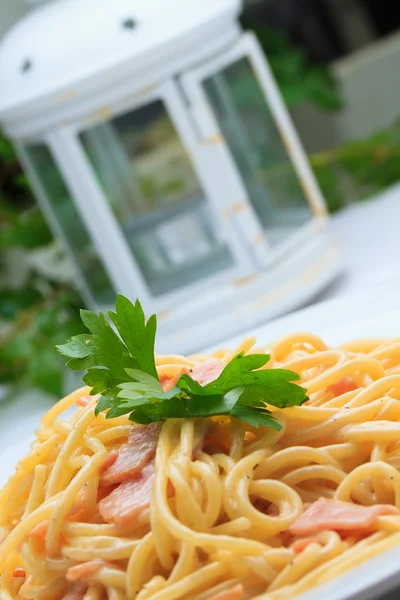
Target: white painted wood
(135, 54)
(131, 46)
(248, 47)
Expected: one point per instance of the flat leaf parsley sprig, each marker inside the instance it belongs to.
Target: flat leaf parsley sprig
(121, 367)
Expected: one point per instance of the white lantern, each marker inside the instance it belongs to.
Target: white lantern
(162, 154)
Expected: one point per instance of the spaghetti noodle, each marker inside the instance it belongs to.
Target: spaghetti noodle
(224, 511)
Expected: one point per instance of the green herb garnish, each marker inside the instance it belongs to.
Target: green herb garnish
(122, 369)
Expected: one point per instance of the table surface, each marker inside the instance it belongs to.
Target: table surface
(368, 234)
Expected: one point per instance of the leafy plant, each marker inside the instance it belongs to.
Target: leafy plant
(36, 311)
(359, 168)
(298, 79)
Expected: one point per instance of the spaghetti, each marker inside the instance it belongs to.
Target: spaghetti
(224, 511)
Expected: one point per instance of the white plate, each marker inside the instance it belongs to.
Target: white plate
(374, 313)
(19, 418)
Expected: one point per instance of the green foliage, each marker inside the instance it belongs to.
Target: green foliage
(39, 322)
(363, 167)
(120, 366)
(35, 312)
(12, 302)
(297, 78)
(26, 230)
(328, 180)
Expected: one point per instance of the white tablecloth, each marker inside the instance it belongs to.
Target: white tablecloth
(369, 235)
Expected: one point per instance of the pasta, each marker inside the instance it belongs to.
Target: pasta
(226, 516)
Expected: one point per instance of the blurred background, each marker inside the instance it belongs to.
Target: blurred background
(335, 62)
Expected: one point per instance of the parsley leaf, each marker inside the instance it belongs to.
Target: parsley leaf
(139, 336)
(272, 386)
(121, 367)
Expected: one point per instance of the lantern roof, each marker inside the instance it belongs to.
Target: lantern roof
(65, 47)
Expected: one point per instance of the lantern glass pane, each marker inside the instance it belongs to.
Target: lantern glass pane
(250, 130)
(70, 222)
(156, 197)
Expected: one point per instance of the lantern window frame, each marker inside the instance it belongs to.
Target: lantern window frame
(247, 46)
(96, 213)
(226, 195)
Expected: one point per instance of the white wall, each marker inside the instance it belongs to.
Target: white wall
(371, 89)
(10, 12)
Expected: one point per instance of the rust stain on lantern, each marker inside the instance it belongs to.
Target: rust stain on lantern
(277, 294)
(243, 281)
(65, 96)
(213, 139)
(101, 114)
(259, 239)
(312, 273)
(287, 142)
(239, 207)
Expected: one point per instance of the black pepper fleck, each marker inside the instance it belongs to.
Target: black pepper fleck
(26, 66)
(129, 23)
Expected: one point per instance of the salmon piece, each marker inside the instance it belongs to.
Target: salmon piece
(84, 571)
(19, 572)
(139, 450)
(38, 536)
(299, 545)
(203, 373)
(207, 371)
(335, 515)
(76, 515)
(84, 401)
(40, 530)
(110, 460)
(105, 490)
(124, 504)
(343, 386)
(234, 593)
(167, 383)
